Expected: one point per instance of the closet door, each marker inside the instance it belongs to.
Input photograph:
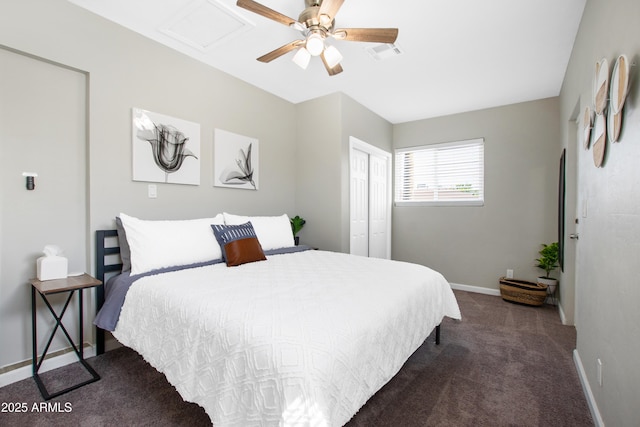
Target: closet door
(378, 207)
(370, 208)
(359, 229)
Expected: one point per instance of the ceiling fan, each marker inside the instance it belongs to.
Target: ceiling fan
(316, 23)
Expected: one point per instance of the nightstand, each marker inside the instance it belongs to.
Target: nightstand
(56, 286)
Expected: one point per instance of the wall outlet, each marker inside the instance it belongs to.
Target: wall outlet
(509, 273)
(599, 371)
(152, 191)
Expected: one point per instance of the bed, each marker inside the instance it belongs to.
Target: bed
(296, 337)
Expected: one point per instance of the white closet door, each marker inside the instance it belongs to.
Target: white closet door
(359, 203)
(378, 207)
(370, 213)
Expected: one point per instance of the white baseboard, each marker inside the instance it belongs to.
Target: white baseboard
(55, 362)
(563, 317)
(495, 292)
(586, 388)
(476, 289)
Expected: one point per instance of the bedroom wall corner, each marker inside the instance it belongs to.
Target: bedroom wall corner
(365, 125)
(322, 178)
(318, 171)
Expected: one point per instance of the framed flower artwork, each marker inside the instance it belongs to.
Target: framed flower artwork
(165, 149)
(236, 160)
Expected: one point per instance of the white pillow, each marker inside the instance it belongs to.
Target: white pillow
(159, 244)
(274, 232)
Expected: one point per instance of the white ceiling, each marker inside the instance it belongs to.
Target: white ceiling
(457, 55)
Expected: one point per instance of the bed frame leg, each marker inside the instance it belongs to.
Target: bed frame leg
(438, 335)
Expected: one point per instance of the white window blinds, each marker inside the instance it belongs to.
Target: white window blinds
(440, 174)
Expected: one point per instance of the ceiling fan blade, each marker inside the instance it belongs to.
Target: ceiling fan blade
(332, 71)
(256, 7)
(375, 35)
(281, 51)
(330, 8)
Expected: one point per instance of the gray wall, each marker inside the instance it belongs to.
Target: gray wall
(42, 130)
(476, 245)
(126, 70)
(608, 288)
(318, 171)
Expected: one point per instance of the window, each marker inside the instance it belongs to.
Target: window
(448, 174)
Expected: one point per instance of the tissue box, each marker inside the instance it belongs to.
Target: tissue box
(52, 267)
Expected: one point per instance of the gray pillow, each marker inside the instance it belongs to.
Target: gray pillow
(125, 252)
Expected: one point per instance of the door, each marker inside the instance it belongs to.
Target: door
(359, 212)
(370, 200)
(378, 207)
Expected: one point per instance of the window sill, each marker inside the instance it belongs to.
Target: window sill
(466, 203)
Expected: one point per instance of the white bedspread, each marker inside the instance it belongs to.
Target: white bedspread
(300, 339)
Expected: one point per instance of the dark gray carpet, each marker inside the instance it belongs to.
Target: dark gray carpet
(502, 365)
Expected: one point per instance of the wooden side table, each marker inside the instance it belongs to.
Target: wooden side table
(48, 287)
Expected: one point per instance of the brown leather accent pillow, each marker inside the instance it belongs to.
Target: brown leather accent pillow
(239, 243)
(243, 251)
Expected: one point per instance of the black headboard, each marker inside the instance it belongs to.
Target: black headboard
(105, 264)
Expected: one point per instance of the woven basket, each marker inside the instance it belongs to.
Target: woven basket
(522, 292)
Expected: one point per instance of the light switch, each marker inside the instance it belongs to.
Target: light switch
(153, 191)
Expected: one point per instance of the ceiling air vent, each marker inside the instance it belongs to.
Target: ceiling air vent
(204, 24)
(383, 51)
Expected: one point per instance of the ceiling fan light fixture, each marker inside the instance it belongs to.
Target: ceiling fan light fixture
(316, 23)
(332, 56)
(315, 44)
(302, 58)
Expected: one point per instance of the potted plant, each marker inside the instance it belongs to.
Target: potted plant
(548, 261)
(296, 225)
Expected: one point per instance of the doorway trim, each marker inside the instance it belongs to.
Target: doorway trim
(568, 301)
